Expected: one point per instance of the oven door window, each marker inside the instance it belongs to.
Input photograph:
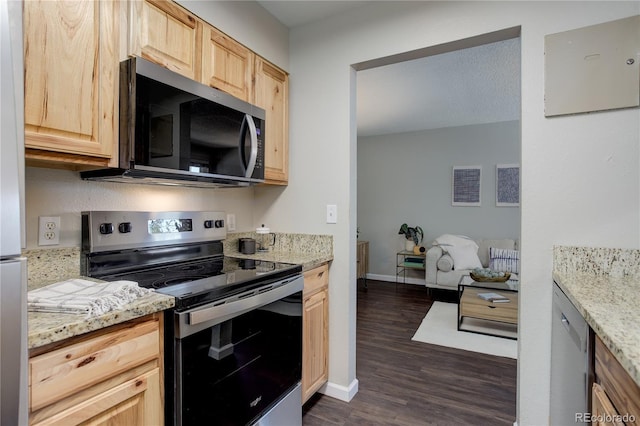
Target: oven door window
(234, 371)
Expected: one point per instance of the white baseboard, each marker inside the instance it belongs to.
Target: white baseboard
(343, 393)
(392, 278)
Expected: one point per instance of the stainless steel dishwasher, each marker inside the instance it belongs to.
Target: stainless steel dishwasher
(570, 361)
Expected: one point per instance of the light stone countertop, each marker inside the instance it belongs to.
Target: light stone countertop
(45, 328)
(604, 285)
(308, 261)
(308, 250)
(47, 266)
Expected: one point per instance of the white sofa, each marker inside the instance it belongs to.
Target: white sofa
(441, 272)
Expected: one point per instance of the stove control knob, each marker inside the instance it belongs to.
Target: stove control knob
(219, 223)
(208, 224)
(106, 228)
(124, 227)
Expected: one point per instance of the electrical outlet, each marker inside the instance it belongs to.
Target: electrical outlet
(48, 230)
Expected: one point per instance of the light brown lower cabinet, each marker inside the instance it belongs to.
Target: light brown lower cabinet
(108, 377)
(315, 330)
(615, 396)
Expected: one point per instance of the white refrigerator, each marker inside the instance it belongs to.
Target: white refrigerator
(13, 268)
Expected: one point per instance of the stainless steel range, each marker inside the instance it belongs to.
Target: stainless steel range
(233, 342)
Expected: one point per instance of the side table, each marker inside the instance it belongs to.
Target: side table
(408, 261)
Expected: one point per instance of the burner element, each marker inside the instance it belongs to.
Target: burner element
(188, 267)
(172, 281)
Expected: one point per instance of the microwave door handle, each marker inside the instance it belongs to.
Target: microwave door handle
(254, 145)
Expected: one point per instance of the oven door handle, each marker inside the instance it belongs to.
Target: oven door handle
(197, 319)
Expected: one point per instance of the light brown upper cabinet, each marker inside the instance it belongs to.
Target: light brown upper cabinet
(272, 93)
(226, 64)
(71, 75)
(165, 33)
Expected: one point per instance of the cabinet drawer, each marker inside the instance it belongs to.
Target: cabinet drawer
(125, 403)
(473, 306)
(316, 279)
(62, 372)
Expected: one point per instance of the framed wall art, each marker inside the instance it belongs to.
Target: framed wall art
(465, 189)
(507, 185)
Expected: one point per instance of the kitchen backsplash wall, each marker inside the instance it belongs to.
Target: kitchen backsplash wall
(62, 193)
(286, 243)
(47, 266)
(596, 261)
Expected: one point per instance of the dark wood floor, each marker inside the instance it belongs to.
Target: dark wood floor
(402, 382)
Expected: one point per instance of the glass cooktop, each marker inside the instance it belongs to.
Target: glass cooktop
(193, 283)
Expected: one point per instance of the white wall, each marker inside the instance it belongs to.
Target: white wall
(62, 193)
(580, 182)
(407, 178)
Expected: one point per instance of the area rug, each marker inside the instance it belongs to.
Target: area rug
(439, 327)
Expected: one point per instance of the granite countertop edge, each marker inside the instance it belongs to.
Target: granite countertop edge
(609, 305)
(46, 327)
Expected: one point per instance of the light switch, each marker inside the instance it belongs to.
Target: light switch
(332, 213)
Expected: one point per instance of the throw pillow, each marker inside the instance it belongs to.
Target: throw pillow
(464, 257)
(445, 263)
(484, 244)
(504, 260)
(447, 240)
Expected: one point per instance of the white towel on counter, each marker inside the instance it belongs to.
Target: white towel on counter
(78, 296)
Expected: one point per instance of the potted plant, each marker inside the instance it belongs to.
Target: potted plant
(413, 235)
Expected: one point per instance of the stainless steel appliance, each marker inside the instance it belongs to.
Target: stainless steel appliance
(13, 282)
(571, 351)
(233, 342)
(175, 130)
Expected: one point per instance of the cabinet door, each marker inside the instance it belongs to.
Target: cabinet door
(272, 94)
(619, 387)
(602, 411)
(315, 336)
(135, 402)
(71, 79)
(165, 33)
(226, 64)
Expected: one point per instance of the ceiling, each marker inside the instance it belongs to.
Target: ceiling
(476, 85)
(300, 12)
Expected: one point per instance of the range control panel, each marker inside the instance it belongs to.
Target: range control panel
(118, 230)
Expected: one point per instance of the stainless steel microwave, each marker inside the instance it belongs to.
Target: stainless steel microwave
(175, 130)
